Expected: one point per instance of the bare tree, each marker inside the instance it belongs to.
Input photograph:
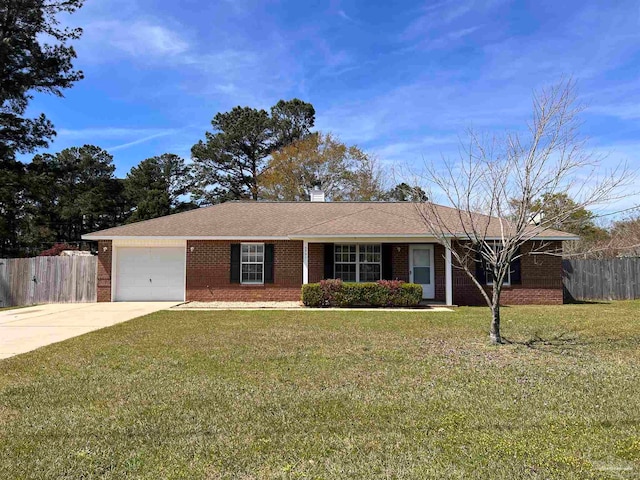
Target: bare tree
(495, 184)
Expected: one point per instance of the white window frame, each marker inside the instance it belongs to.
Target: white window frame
(261, 282)
(357, 262)
(342, 253)
(507, 281)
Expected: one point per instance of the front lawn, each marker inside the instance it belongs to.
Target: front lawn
(298, 394)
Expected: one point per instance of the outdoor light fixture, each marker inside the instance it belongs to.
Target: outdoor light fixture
(398, 249)
(104, 249)
(192, 249)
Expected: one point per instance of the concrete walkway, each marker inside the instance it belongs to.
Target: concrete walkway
(25, 329)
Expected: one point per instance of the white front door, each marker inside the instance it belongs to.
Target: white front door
(421, 269)
(150, 274)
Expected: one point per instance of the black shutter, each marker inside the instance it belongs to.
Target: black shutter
(328, 260)
(268, 263)
(387, 263)
(516, 276)
(235, 263)
(481, 275)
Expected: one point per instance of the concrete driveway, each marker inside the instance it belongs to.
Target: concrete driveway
(25, 329)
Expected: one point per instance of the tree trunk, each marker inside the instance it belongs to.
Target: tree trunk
(494, 333)
(495, 336)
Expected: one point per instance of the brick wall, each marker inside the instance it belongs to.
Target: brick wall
(541, 281)
(209, 264)
(104, 270)
(316, 262)
(400, 261)
(208, 273)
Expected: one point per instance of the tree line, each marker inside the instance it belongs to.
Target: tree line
(249, 154)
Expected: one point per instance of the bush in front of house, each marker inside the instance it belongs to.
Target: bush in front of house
(383, 293)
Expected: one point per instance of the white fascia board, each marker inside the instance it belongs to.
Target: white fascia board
(386, 237)
(538, 239)
(177, 237)
(365, 235)
(367, 238)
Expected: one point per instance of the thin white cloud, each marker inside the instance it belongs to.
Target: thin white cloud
(439, 14)
(343, 14)
(139, 38)
(107, 132)
(145, 139)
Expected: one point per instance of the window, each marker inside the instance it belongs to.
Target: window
(497, 246)
(358, 263)
(345, 257)
(252, 263)
(370, 262)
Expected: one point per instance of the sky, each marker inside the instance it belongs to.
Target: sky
(403, 80)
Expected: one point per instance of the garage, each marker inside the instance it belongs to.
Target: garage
(149, 274)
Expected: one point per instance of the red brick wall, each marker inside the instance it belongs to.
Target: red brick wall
(400, 262)
(208, 273)
(316, 262)
(541, 277)
(104, 270)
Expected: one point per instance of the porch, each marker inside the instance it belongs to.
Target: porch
(417, 260)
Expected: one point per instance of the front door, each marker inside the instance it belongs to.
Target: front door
(421, 268)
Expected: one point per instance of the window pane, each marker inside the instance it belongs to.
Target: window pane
(369, 272)
(345, 253)
(370, 253)
(422, 275)
(421, 257)
(346, 272)
(252, 273)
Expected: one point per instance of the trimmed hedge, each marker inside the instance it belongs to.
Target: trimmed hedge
(384, 293)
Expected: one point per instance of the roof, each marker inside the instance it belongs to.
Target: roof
(284, 220)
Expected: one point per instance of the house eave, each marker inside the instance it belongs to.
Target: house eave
(325, 238)
(180, 237)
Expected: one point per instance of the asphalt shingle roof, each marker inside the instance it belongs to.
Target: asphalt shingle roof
(298, 219)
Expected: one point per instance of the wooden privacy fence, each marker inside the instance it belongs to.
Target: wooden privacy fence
(612, 279)
(27, 281)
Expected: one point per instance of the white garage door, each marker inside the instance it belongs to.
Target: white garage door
(150, 274)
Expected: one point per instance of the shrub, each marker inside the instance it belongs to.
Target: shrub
(384, 293)
(312, 295)
(56, 250)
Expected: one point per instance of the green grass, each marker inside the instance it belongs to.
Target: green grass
(319, 394)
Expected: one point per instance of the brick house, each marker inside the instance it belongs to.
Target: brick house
(256, 251)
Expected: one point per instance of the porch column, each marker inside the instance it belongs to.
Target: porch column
(305, 261)
(448, 274)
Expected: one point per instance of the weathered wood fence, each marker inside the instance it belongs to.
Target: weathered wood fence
(27, 281)
(612, 279)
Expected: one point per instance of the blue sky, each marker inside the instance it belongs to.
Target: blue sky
(401, 79)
